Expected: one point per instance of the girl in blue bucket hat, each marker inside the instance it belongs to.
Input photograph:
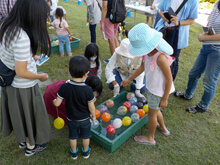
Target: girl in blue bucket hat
(155, 51)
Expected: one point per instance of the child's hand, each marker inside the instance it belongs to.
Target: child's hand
(125, 82)
(163, 103)
(43, 77)
(93, 118)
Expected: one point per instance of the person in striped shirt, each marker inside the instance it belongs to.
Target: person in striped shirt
(22, 106)
(208, 62)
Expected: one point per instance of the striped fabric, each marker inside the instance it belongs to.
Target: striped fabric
(214, 21)
(4, 7)
(19, 50)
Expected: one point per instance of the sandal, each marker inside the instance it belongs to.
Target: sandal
(180, 95)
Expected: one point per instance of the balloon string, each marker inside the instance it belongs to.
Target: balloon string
(57, 112)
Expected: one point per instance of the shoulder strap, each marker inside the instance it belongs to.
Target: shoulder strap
(8, 6)
(99, 5)
(181, 6)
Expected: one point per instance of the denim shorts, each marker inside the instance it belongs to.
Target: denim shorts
(153, 101)
(79, 128)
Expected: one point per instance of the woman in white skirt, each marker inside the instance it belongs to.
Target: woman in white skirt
(23, 110)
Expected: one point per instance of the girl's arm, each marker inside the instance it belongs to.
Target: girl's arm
(57, 101)
(99, 71)
(90, 13)
(207, 37)
(92, 109)
(68, 30)
(134, 75)
(162, 62)
(21, 71)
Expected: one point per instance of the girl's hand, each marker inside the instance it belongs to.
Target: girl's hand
(163, 103)
(90, 21)
(202, 35)
(43, 77)
(125, 82)
(36, 58)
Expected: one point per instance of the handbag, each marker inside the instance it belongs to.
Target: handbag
(6, 75)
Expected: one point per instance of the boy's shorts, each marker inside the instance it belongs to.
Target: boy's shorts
(153, 101)
(110, 29)
(79, 128)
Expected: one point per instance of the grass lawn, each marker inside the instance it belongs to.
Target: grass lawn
(195, 139)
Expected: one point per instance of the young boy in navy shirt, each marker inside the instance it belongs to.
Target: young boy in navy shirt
(79, 103)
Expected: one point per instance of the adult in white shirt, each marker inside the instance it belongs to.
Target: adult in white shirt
(121, 65)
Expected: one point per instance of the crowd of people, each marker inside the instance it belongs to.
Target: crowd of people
(147, 61)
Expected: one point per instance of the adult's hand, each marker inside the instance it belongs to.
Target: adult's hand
(102, 27)
(164, 18)
(174, 20)
(116, 90)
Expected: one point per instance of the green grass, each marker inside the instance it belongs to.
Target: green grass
(195, 139)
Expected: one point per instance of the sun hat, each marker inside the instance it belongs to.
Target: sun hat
(123, 49)
(144, 39)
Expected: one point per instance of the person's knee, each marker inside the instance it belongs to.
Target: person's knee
(110, 86)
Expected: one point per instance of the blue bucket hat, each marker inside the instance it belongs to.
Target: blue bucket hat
(144, 39)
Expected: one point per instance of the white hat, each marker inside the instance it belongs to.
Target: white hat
(123, 49)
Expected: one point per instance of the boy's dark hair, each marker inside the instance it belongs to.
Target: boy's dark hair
(59, 13)
(95, 83)
(31, 16)
(78, 66)
(91, 50)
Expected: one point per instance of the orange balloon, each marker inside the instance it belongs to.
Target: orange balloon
(109, 103)
(97, 113)
(106, 117)
(140, 112)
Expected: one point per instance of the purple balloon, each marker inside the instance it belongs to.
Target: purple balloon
(103, 109)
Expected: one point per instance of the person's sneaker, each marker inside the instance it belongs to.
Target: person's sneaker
(106, 61)
(22, 145)
(70, 54)
(62, 54)
(74, 155)
(37, 148)
(180, 95)
(195, 109)
(86, 153)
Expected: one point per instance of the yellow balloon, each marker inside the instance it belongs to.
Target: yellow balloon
(58, 123)
(126, 121)
(145, 108)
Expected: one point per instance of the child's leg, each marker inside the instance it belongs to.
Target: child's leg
(152, 123)
(92, 32)
(86, 144)
(161, 122)
(73, 144)
(67, 43)
(61, 45)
